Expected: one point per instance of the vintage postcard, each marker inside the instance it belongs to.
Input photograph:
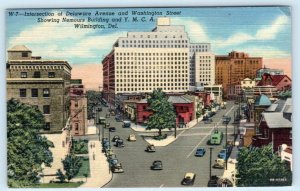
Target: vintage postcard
(149, 97)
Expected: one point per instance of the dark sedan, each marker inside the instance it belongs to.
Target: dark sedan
(157, 165)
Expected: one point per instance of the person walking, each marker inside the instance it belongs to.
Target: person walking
(93, 156)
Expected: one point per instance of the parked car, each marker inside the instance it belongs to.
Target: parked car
(219, 163)
(156, 165)
(119, 143)
(104, 140)
(115, 138)
(200, 152)
(189, 179)
(118, 118)
(105, 147)
(126, 124)
(213, 181)
(117, 168)
(131, 137)
(112, 156)
(150, 148)
(112, 129)
(113, 161)
(109, 152)
(223, 154)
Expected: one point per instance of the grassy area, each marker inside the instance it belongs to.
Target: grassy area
(80, 147)
(59, 185)
(85, 167)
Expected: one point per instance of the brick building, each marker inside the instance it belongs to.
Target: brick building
(184, 109)
(78, 109)
(233, 68)
(41, 83)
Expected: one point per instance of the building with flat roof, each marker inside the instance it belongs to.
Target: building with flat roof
(231, 69)
(162, 58)
(41, 83)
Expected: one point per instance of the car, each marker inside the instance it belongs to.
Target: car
(208, 120)
(150, 148)
(119, 143)
(105, 147)
(216, 137)
(126, 124)
(115, 138)
(156, 165)
(131, 137)
(118, 118)
(200, 152)
(117, 168)
(104, 140)
(109, 153)
(226, 119)
(189, 178)
(219, 163)
(213, 181)
(112, 129)
(222, 154)
(113, 161)
(112, 156)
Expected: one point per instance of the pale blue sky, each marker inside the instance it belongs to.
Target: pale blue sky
(260, 31)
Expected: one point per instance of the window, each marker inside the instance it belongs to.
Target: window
(37, 74)
(34, 93)
(24, 54)
(51, 74)
(46, 109)
(23, 74)
(47, 126)
(22, 92)
(46, 92)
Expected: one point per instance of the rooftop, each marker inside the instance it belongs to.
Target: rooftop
(276, 120)
(172, 99)
(18, 48)
(262, 100)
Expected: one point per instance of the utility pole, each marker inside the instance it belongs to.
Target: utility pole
(226, 147)
(210, 149)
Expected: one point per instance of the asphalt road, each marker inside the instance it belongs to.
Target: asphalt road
(177, 158)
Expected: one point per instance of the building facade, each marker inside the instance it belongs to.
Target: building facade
(233, 68)
(205, 68)
(281, 82)
(78, 110)
(162, 58)
(264, 70)
(41, 83)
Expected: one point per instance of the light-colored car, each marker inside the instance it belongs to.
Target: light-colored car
(131, 137)
(188, 179)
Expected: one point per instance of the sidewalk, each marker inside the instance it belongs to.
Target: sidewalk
(99, 168)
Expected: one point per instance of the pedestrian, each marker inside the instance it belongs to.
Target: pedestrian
(94, 145)
(91, 145)
(93, 156)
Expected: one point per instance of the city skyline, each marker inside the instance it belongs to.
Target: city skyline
(259, 31)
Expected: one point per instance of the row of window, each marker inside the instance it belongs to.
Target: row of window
(35, 92)
(152, 54)
(36, 67)
(150, 67)
(151, 88)
(151, 63)
(37, 74)
(135, 76)
(150, 80)
(152, 84)
(153, 46)
(153, 71)
(154, 41)
(46, 108)
(153, 36)
(151, 58)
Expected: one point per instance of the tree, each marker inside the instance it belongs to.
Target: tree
(27, 150)
(93, 99)
(261, 167)
(163, 112)
(71, 165)
(60, 176)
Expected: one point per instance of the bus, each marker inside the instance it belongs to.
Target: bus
(102, 120)
(216, 137)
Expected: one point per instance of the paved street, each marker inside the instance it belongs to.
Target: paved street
(178, 157)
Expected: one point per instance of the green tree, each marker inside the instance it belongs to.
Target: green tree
(71, 165)
(163, 112)
(60, 176)
(27, 150)
(261, 167)
(93, 99)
